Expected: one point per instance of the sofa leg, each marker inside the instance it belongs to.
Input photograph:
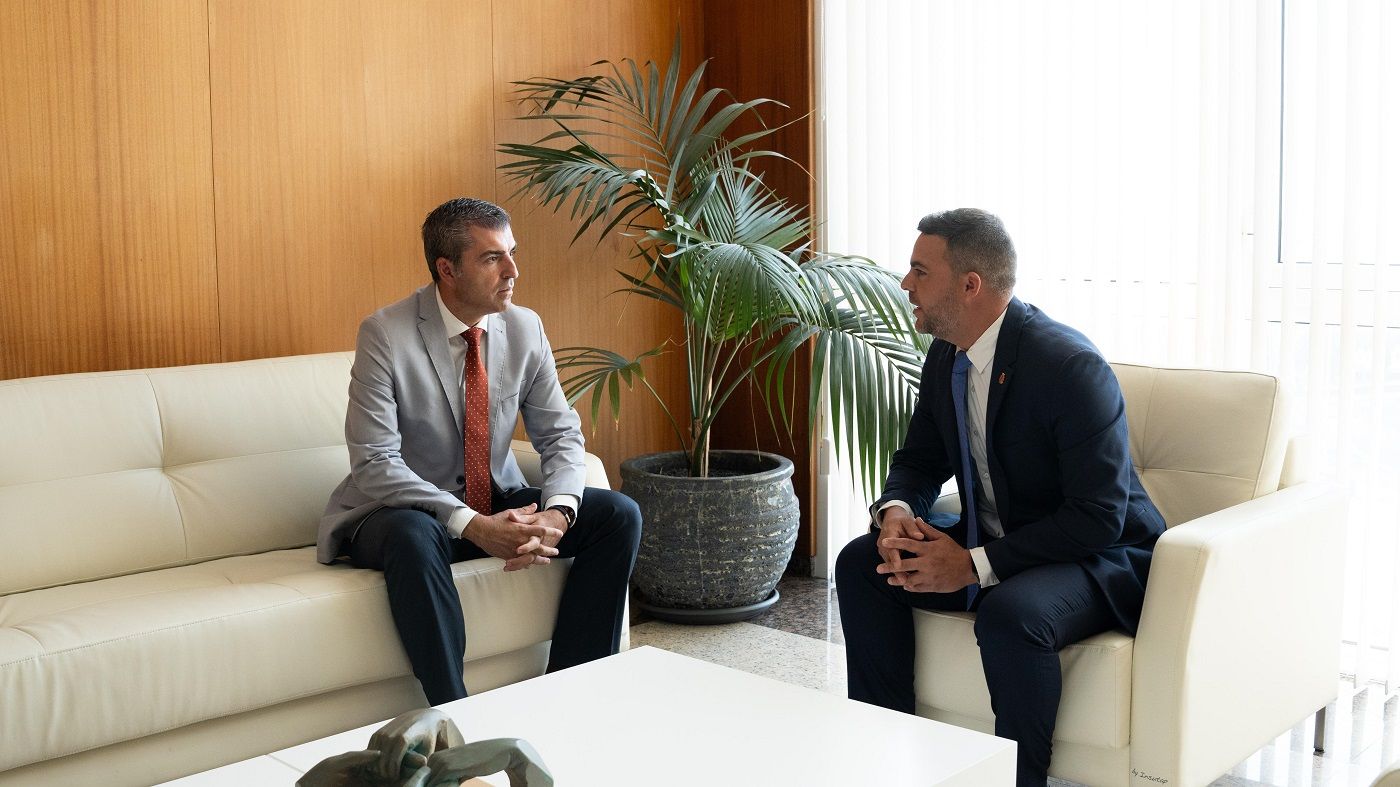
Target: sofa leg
(1319, 729)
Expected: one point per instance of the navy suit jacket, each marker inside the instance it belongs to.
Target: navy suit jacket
(1057, 446)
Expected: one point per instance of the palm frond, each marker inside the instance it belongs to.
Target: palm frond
(601, 371)
(647, 149)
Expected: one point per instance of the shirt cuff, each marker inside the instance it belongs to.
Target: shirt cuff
(875, 520)
(457, 523)
(985, 576)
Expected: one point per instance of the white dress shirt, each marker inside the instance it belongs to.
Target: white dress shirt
(457, 350)
(979, 384)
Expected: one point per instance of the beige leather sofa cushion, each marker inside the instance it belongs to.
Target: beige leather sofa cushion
(121, 472)
(1098, 673)
(125, 657)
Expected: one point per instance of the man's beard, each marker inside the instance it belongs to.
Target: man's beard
(938, 319)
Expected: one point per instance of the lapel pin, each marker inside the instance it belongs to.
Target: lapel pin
(1001, 380)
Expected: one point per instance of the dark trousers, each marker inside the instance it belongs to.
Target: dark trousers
(1022, 623)
(416, 555)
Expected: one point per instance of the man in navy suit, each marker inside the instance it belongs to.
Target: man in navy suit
(1038, 445)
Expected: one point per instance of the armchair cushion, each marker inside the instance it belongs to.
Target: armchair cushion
(1098, 674)
(1203, 440)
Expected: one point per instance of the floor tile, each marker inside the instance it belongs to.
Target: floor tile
(759, 650)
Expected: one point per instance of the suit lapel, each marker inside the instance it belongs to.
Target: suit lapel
(1004, 362)
(431, 329)
(1003, 369)
(497, 349)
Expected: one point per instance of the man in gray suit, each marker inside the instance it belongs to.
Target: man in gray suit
(438, 383)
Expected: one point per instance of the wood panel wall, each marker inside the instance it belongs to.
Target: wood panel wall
(764, 50)
(106, 204)
(190, 181)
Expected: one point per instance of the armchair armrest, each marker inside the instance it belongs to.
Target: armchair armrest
(950, 503)
(1240, 632)
(529, 461)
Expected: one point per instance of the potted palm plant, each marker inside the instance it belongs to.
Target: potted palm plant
(646, 151)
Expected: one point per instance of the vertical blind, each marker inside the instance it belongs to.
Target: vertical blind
(1203, 184)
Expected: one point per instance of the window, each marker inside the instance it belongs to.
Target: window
(1190, 184)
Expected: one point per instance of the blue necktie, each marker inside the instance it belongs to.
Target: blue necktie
(961, 363)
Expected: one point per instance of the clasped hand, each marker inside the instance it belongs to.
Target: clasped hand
(522, 537)
(935, 563)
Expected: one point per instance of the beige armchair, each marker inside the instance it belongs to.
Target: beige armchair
(1390, 777)
(1241, 629)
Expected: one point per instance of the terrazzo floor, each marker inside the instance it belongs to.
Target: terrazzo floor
(799, 641)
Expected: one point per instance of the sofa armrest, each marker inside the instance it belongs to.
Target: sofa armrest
(529, 461)
(1240, 633)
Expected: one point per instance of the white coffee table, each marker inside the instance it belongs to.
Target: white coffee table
(651, 717)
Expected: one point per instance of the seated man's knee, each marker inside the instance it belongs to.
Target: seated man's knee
(857, 559)
(621, 513)
(1007, 618)
(415, 534)
(629, 518)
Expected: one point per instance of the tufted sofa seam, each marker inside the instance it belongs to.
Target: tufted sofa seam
(160, 427)
(1147, 413)
(77, 648)
(164, 468)
(83, 476)
(1259, 472)
(1198, 472)
(59, 611)
(252, 454)
(25, 633)
(170, 565)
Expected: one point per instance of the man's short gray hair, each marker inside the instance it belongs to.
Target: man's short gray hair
(977, 241)
(447, 230)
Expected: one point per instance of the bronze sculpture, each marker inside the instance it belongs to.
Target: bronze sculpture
(424, 748)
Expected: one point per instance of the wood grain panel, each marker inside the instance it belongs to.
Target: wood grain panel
(338, 127)
(571, 285)
(106, 211)
(298, 145)
(764, 50)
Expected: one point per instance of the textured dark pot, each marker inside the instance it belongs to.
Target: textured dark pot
(713, 549)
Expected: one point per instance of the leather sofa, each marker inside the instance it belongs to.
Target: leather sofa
(1241, 628)
(161, 608)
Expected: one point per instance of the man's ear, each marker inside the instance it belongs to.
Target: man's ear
(972, 283)
(445, 268)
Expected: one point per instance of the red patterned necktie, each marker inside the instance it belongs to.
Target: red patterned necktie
(476, 432)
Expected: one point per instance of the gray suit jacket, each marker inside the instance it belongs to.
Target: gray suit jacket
(404, 423)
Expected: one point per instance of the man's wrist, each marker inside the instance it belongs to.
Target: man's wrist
(884, 509)
(568, 513)
(459, 521)
(473, 528)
